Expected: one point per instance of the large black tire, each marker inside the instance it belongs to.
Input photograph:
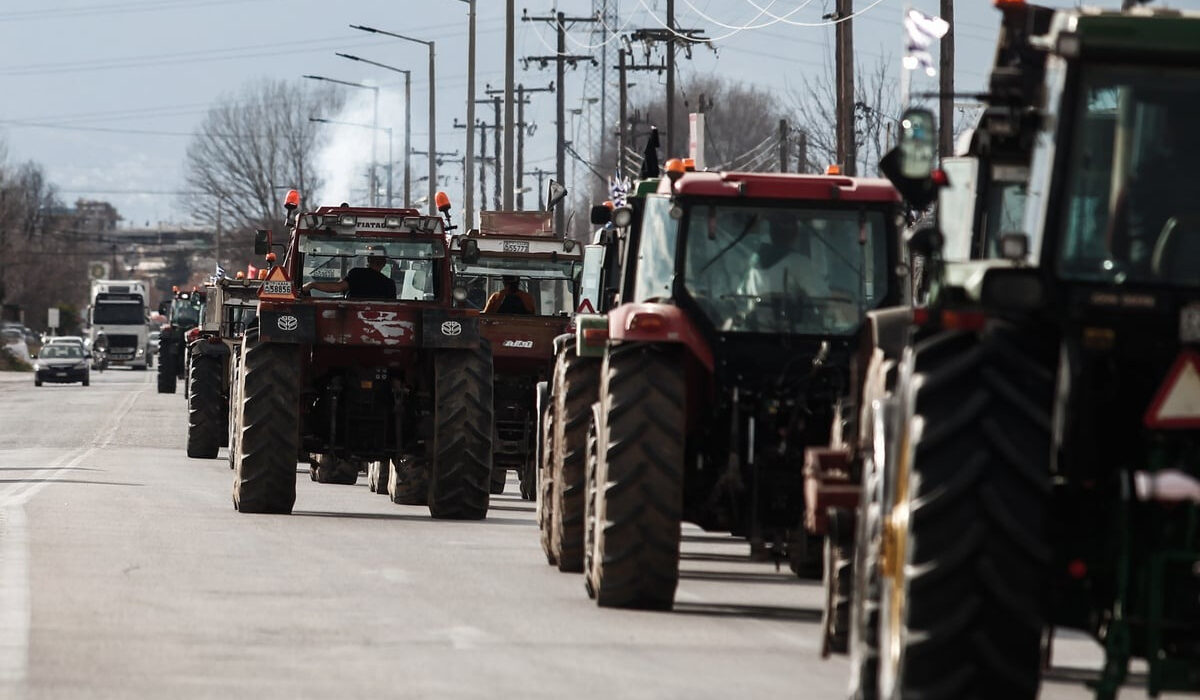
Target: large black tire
(378, 476)
(527, 479)
(234, 409)
(206, 407)
(166, 369)
(461, 468)
(408, 481)
(333, 470)
(975, 414)
(864, 610)
(639, 478)
(499, 480)
(576, 389)
(268, 436)
(545, 506)
(837, 579)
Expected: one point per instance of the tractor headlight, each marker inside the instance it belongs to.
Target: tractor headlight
(460, 293)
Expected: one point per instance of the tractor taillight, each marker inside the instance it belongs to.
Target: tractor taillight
(595, 337)
(644, 322)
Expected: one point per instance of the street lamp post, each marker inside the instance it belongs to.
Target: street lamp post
(432, 107)
(388, 129)
(469, 164)
(375, 123)
(407, 119)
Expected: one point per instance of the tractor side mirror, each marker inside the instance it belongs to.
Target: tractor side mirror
(164, 308)
(600, 215)
(918, 129)
(262, 242)
(910, 165)
(470, 251)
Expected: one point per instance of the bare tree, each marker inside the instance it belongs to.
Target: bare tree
(254, 146)
(876, 109)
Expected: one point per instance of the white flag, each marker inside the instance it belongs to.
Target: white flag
(922, 30)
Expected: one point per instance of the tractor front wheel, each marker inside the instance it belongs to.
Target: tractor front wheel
(638, 478)
(461, 468)
(267, 434)
(207, 425)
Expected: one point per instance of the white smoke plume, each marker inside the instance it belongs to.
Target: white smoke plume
(345, 161)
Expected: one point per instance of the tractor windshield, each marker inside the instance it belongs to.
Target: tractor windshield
(550, 283)
(789, 270)
(411, 264)
(1131, 211)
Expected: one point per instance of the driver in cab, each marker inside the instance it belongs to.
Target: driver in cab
(511, 299)
(362, 282)
(782, 264)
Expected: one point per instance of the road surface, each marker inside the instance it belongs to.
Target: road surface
(125, 573)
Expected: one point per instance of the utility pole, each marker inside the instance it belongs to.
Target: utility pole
(847, 150)
(510, 16)
(561, 59)
(670, 78)
(469, 161)
(783, 146)
(802, 152)
(623, 133)
(946, 80)
(519, 128)
(541, 178)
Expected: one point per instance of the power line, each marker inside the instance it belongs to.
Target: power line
(112, 9)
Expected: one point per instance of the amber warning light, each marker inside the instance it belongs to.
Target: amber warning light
(292, 200)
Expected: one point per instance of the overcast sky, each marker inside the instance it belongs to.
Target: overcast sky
(104, 93)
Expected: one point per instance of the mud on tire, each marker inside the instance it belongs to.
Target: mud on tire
(207, 423)
(639, 478)
(576, 388)
(976, 411)
(461, 465)
(267, 441)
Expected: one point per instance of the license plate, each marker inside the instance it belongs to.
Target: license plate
(1189, 324)
(61, 374)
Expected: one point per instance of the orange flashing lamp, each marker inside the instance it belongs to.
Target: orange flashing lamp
(271, 258)
(292, 200)
(689, 164)
(240, 275)
(834, 169)
(174, 289)
(674, 168)
(442, 200)
(262, 274)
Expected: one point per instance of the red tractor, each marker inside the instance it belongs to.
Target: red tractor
(521, 249)
(358, 356)
(730, 343)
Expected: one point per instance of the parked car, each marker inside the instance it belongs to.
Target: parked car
(61, 363)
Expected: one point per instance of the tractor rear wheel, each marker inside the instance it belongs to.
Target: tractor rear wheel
(577, 387)
(268, 435)
(461, 468)
(206, 414)
(639, 478)
(968, 542)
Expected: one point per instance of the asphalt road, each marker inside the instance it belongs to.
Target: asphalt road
(126, 573)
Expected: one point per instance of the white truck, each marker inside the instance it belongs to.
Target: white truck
(118, 311)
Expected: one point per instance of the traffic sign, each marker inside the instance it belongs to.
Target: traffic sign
(1177, 403)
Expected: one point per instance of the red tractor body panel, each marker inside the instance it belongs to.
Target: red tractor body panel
(658, 323)
(791, 186)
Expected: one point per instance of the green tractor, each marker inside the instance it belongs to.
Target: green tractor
(183, 311)
(1040, 443)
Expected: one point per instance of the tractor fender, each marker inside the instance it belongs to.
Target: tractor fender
(562, 341)
(658, 323)
(208, 348)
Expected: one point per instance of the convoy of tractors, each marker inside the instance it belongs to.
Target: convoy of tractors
(976, 429)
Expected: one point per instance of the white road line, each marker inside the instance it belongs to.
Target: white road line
(16, 610)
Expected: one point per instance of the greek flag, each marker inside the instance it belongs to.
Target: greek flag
(219, 274)
(922, 30)
(618, 189)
